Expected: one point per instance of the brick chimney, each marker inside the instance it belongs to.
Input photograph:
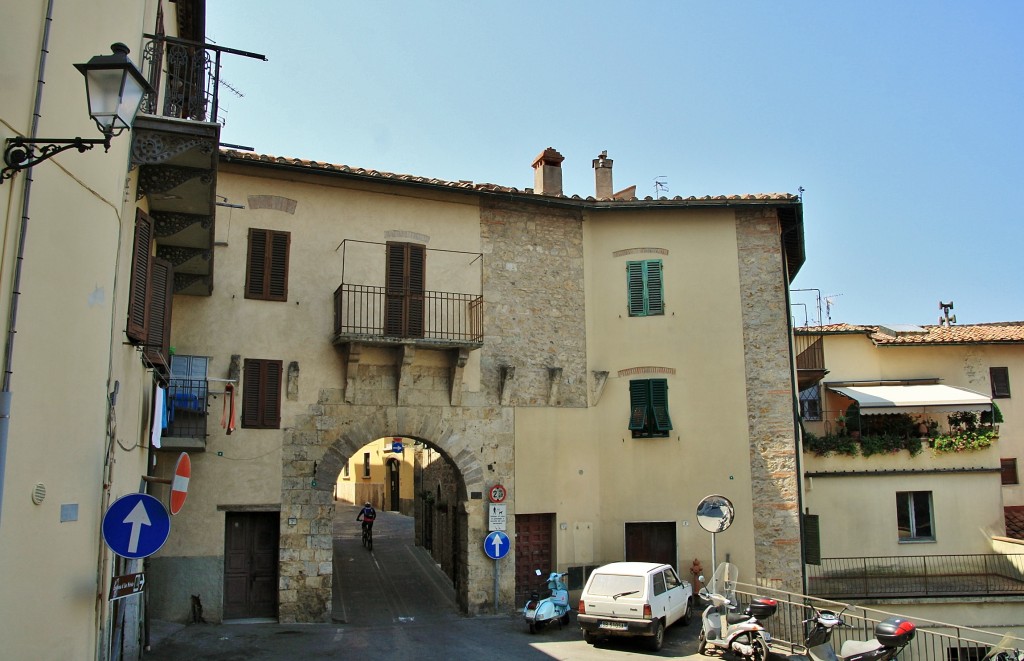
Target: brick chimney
(603, 176)
(547, 172)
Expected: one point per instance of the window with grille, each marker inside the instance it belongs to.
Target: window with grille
(914, 516)
(648, 404)
(1000, 378)
(266, 271)
(810, 403)
(261, 393)
(644, 285)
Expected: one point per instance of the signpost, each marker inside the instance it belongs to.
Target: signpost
(497, 516)
(125, 586)
(496, 546)
(136, 525)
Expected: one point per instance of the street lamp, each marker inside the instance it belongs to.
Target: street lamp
(114, 88)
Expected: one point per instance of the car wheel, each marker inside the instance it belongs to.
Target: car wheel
(658, 639)
(687, 614)
(589, 638)
(702, 642)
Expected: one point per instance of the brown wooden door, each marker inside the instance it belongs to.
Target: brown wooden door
(651, 541)
(534, 551)
(250, 564)
(394, 493)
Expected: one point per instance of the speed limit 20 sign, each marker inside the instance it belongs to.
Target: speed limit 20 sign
(497, 494)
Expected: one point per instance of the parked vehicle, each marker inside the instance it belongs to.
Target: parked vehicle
(891, 636)
(538, 612)
(633, 599)
(742, 633)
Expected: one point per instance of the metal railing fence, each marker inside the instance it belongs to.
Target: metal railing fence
(934, 641)
(918, 576)
(361, 310)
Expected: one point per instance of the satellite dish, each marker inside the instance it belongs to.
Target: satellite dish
(715, 513)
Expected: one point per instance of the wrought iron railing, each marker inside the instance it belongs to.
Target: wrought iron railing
(917, 576)
(933, 641)
(185, 408)
(186, 77)
(447, 317)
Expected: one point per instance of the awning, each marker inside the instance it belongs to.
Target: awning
(935, 398)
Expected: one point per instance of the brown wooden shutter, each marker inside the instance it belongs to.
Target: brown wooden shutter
(271, 405)
(1000, 377)
(158, 324)
(251, 376)
(138, 292)
(416, 281)
(394, 290)
(277, 267)
(256, 264)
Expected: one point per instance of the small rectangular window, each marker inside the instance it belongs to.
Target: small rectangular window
(1000, 377)
(648, 408)
(1009, 470)
(644, 285)
(266, 270)
(914, 516)
(810, 403)
(366, 464)
(344, 471)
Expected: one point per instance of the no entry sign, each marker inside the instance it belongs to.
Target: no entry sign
(179, 485)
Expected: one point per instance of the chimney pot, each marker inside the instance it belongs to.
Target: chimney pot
(547, 172)
(603, 176)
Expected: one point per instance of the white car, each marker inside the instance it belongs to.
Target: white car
(633, 599)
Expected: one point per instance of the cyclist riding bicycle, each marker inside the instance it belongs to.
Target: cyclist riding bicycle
(367, 516)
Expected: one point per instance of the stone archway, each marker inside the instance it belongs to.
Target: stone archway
(316, 449)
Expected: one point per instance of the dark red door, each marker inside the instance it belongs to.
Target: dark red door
(651, 541)
(250, 564)
(534, 551)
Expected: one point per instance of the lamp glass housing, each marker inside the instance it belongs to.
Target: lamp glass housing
(114, 89)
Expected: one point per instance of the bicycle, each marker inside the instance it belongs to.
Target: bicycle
(368, 537)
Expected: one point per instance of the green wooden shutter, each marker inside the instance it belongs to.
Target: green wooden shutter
(639, 403)
(812, 540)
(659, 404)
(635, 287)
(655, 293)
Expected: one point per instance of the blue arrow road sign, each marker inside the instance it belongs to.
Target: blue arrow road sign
(136, 525)
(496, 545)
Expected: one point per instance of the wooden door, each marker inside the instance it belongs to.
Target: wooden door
(534, 550)
(250, 564)
(394, 494)
(651, 541)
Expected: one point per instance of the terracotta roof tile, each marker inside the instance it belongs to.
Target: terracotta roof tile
(1014, 521)
(998, 332)
(469, 185)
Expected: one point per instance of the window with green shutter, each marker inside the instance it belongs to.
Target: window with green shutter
(648, 408)
(644, 284)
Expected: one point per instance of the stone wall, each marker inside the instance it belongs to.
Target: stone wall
(533, 292)
(770, 406)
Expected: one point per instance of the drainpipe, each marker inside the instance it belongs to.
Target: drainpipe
(12, 320)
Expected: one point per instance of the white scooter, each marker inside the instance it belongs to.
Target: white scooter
(891, 636)
(741, 633)
(538, 612)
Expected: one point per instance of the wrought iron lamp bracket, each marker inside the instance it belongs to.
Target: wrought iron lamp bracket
(21, 153)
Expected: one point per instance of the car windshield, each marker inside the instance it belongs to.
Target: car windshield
(610, 585)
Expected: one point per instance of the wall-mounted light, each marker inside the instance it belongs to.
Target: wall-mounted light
(114, 88)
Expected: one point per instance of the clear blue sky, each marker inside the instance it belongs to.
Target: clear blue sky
(901, 120)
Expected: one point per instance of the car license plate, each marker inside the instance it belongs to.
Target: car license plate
(620, 626)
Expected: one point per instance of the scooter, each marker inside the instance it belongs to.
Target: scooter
(538, 612)
(891, 636)
(742, 633)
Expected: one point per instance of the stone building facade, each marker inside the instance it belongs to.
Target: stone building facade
(538, 402)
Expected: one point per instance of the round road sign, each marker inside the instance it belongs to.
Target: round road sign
(179, 485)
(497, 494)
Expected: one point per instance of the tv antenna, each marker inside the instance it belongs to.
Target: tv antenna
(660, 186)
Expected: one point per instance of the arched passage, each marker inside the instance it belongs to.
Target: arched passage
(314, 453)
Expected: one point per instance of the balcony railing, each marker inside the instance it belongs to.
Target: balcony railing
(186, 77)
(917, 576)
(362, 312)
(185, 413)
